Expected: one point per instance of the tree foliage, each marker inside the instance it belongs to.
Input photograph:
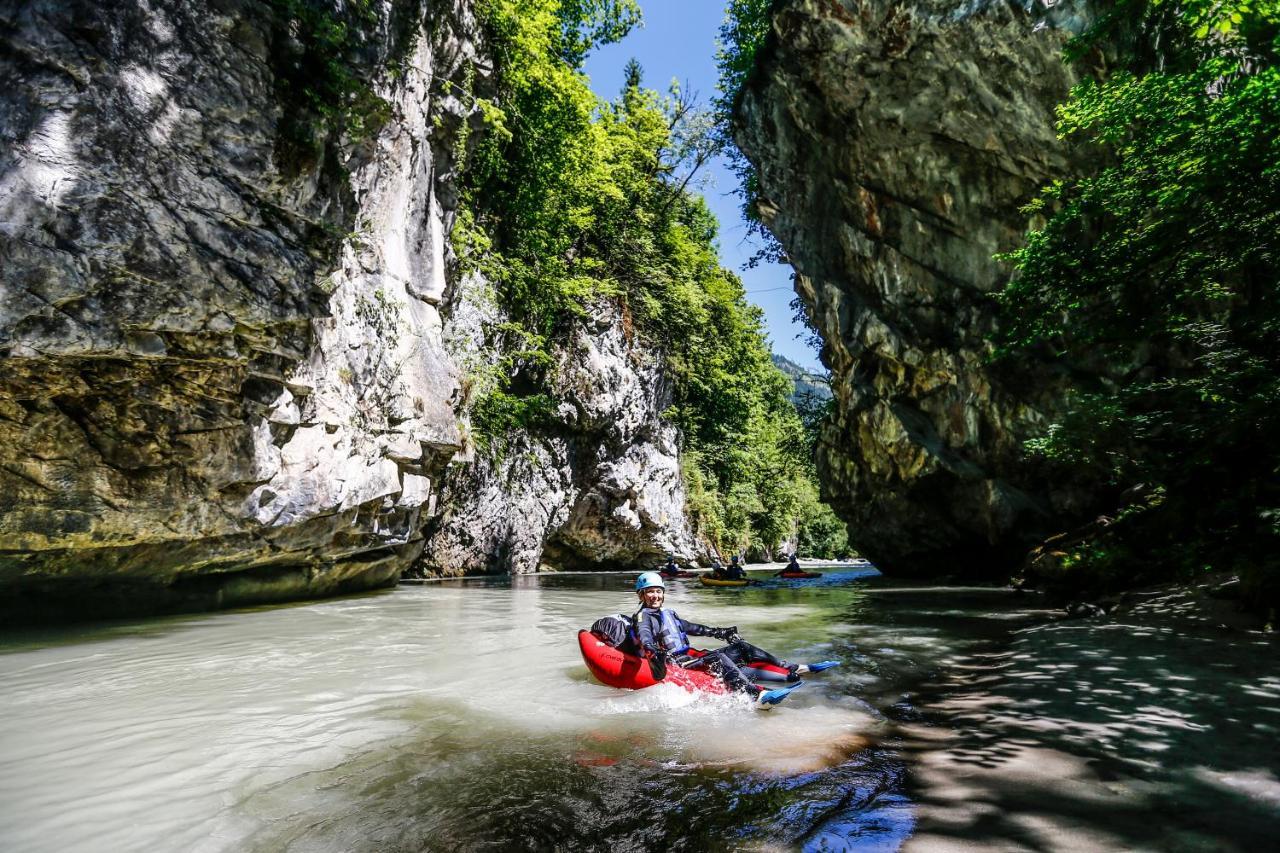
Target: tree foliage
(573, 199)
(1160, 264)
(320, 79)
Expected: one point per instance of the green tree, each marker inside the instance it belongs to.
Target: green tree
(820, 532)
(742, 35)
(572, 199)
(1160, 263)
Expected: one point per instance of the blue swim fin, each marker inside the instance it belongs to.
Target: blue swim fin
(823, 664)
(773, 697)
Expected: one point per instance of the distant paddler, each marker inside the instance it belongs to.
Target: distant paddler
(672, 570)
(793, 570)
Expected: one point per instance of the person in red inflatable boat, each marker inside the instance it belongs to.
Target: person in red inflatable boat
(671, 569)
(663, 638)
(793, 570)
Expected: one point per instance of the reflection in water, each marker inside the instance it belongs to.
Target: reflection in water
(458, 716)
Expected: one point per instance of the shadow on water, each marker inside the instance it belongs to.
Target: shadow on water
(24, 638)
(1115, 734)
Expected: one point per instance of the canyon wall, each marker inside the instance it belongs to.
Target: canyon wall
(895, 142)
(223, 377)
(597, 484)
(224, 287)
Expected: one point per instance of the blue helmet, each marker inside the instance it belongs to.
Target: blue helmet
(649, 579)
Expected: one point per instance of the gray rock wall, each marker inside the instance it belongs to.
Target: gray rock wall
(230, 362)
(599, 487)
(221, 366)
(895, 142)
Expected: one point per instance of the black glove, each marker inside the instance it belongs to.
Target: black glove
(726, 634)
(658, 665)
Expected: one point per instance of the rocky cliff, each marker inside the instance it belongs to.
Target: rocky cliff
(895, 141)
(223, 375)
(223, 372)
(599, 483)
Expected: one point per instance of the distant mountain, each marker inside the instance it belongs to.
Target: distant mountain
(809, 387)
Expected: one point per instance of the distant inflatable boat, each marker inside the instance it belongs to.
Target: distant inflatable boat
(710, 581)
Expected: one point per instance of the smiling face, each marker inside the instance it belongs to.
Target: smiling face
(652, 597)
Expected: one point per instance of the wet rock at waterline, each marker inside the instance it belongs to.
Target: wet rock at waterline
(221, 369)
(599, 483)
(895, 143)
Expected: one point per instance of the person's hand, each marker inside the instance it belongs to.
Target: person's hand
(658, 666)
(727, 634)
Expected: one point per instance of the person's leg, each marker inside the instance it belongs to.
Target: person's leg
(741, 651)
(744, 653)
(720, 664)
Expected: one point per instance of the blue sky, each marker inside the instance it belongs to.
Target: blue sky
(678, 40)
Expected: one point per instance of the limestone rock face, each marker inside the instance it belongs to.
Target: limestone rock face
(601, 486)
(895, 141)
(222, 375)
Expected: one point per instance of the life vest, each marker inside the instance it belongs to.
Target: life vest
(670, 637)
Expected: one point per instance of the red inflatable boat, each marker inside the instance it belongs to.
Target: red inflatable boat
(801, 575)
(619, 669)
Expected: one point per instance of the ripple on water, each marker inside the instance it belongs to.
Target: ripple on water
(439, 717)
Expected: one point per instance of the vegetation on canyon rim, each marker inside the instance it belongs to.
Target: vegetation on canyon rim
(322, 85)
(1160, 262)
(571, 200)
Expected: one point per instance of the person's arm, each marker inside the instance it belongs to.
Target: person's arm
(693, 629)
(649, 648)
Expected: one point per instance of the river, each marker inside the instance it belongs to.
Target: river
(458, 715)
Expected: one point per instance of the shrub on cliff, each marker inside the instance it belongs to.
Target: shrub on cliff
(1162, 263)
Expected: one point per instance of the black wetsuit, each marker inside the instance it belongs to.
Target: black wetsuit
(721, 662)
